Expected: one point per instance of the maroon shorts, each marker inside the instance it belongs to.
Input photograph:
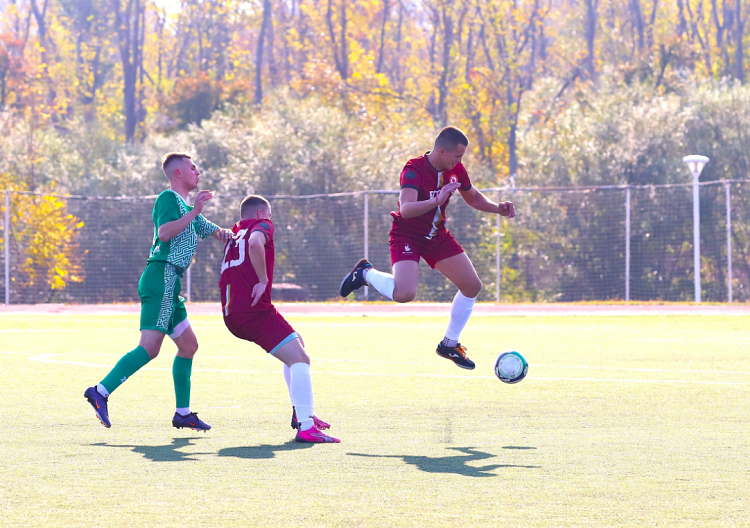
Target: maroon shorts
(410, 247)
(268, 328)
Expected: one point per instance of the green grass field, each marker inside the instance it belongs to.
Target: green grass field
(622, 421)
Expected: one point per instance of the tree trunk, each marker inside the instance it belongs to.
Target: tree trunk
(259, 52)
(652, 21)
(635, 10)
(344, 50)
(739, 55)
(273, 68)
(590, 31)
(386, 9)
(340, 54)
(682, 25)
(397, 68)
(448, 35)
(129, 40)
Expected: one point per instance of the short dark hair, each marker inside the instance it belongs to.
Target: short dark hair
(451, 137)
(172, 156)
(252, 203)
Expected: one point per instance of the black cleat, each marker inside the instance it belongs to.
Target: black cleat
(355, 279)
(457, 354)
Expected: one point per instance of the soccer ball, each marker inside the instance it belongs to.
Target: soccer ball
(511, 367)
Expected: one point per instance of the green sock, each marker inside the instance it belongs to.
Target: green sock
(128, 365)
(181, 369)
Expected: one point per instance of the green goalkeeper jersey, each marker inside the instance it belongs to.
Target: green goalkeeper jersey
(179, 250)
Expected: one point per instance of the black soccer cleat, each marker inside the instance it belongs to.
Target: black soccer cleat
(355, 279)
(457, 354)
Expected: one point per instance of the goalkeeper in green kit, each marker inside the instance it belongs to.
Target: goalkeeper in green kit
(177, 227)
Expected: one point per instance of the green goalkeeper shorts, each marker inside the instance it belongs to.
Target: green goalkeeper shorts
(162, 308)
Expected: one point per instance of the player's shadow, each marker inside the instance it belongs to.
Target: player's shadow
(451, 464)
(261, 451)
(161, 453)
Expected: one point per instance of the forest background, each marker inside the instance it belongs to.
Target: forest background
(322, 96)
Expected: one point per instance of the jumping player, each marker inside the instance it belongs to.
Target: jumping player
(419, 231)
(245, 283)
(177, 227)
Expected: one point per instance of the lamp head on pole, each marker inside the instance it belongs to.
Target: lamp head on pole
(695, 164)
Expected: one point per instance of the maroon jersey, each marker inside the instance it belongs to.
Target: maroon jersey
(237, 273)
(419, 174)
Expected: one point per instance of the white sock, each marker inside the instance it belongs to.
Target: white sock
(288, 379)
(101, 389)
(383, 282)
(184, 411)
(460, 313)
(302, 394)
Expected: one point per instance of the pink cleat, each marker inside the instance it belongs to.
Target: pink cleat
(315, 436)
(320, 424)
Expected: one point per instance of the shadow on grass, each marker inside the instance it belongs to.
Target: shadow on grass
(518, 447)
(161, 453)
(261, 451)
(451, 464)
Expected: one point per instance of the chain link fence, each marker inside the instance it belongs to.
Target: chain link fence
(584, 244)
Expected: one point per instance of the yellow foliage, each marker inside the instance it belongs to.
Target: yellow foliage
(44, 233)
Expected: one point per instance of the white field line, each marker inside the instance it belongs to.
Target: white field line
(46, 358)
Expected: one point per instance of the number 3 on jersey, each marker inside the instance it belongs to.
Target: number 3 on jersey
(238, 241)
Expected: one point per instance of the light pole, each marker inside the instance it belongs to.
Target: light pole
(695, 165)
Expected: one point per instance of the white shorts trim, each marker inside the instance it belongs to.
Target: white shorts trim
(180, 328)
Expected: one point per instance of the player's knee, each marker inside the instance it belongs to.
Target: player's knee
(404, 296)
(189, 350)
(303, 358)
(473, 289)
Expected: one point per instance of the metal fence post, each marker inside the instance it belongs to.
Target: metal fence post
(697, 237)
(7, 247)
(729, 243)
(498, 262)
(627, 244)
(367, 237)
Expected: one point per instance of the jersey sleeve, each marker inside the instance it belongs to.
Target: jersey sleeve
(203, 227)
(463, 177)
(166, 209)
(411, 178)
(265, 227)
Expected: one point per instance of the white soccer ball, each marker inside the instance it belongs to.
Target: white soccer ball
(511, 367)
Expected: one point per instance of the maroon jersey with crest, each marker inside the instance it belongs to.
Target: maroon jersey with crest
(419, 174)
(238, 276)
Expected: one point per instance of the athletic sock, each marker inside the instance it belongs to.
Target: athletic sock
(181, 370)
(302, 394)
(288, 379)
(183, 411)
(460, 313)
(128, 365)
(383, 282)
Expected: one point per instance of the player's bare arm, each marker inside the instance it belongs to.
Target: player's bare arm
(410, 207)
(171, 229)
(255, 249)
(480, 202)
